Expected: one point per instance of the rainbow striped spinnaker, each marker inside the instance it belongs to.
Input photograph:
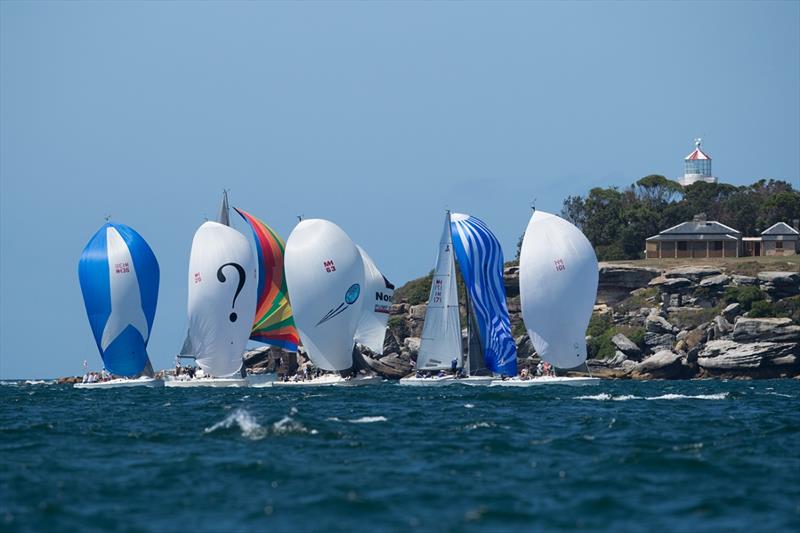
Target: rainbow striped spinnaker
(274, 322)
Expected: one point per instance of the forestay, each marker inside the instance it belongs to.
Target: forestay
(558, 287)
(119, 278)
(222, 298)
(441, 333)
(480, 259)
(378, 292)
(325, 277)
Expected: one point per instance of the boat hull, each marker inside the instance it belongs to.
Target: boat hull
(206, 382)
(120, 383)
(261, 380)
(331, 381)
(547, 380)
(414, 381)
(475, 381)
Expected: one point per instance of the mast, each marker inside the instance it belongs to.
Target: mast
(224, 209)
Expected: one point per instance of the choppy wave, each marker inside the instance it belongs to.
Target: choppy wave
(240, 418)
(368, 419)
(604, 396)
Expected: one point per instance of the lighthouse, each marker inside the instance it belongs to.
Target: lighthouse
(696, 167)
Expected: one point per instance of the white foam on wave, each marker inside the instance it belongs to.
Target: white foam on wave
(477, 425)
(245, 421)
(36, 382)
(288, 425)
(469, 405)
(368, 420)
(601, 396)
(717, 396)
(604, 396)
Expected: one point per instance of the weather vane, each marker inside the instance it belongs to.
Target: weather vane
(697, 142)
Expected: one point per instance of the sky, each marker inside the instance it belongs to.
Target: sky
(377, 116)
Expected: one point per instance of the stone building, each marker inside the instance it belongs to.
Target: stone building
(778, 239)
(698, 238)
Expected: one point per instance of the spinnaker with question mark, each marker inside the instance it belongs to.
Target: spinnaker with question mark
(222, 298)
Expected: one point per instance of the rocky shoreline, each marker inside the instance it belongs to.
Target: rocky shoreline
(649, 323)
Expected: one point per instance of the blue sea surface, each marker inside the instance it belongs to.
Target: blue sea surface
(622, 456)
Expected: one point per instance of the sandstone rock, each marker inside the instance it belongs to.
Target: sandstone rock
(721, 327)
(398, 309)
(715, 282)
(411, 344)
(732, 311)
(628, 366)
(743, 280)
(617, 281)
(780, 284)
(730, 355)
(524, 347)
(692, 273)
(658, 324)
(658, 342)
(664, 362)
(418, 311)
(671, 285)
(392, 366)
(617, 360)
(626, 346)
(766, 329)
(511, 282)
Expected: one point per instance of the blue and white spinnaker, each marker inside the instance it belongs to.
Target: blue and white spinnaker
(480, 259)
(119, 277)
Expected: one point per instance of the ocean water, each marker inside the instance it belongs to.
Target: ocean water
(622, 456)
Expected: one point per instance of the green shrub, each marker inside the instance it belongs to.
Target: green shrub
(763, 309)
(744, 295)
(415, 291)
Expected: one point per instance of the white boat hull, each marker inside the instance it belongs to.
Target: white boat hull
(414, 381)
(261, 380)
(330, 381)
(475, 381)
(546, 380)
(206, 382)
(121, 382)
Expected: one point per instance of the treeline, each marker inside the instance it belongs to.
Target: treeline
(617, 222)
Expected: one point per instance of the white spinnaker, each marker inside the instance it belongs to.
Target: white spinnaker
(126, 299)
(371, 331)
(558, 287)
(219, 318)
(441, 333)
(325, 280)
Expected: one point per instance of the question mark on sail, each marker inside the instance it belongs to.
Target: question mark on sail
(221, 278)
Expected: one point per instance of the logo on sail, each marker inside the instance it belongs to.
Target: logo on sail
(350, 298)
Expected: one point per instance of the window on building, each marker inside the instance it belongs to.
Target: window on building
(681, 246)
(717, 246)
(779, 245)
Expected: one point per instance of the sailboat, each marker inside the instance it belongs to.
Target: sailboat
(371, 330)
(274, 322)
(558, 287)
(490, 346)
(119, 276)
(222, 304)
(326, 283)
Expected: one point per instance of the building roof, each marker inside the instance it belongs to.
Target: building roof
(697, 230)
(781, 228)
(694, 237)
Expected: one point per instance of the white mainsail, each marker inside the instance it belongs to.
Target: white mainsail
(222, 297)
(441, 333)
(325, 278)
(371, 331)
(558, 287)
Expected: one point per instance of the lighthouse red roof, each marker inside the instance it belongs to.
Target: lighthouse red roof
(697, 153)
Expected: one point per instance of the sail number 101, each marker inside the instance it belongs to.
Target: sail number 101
(560, 266)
